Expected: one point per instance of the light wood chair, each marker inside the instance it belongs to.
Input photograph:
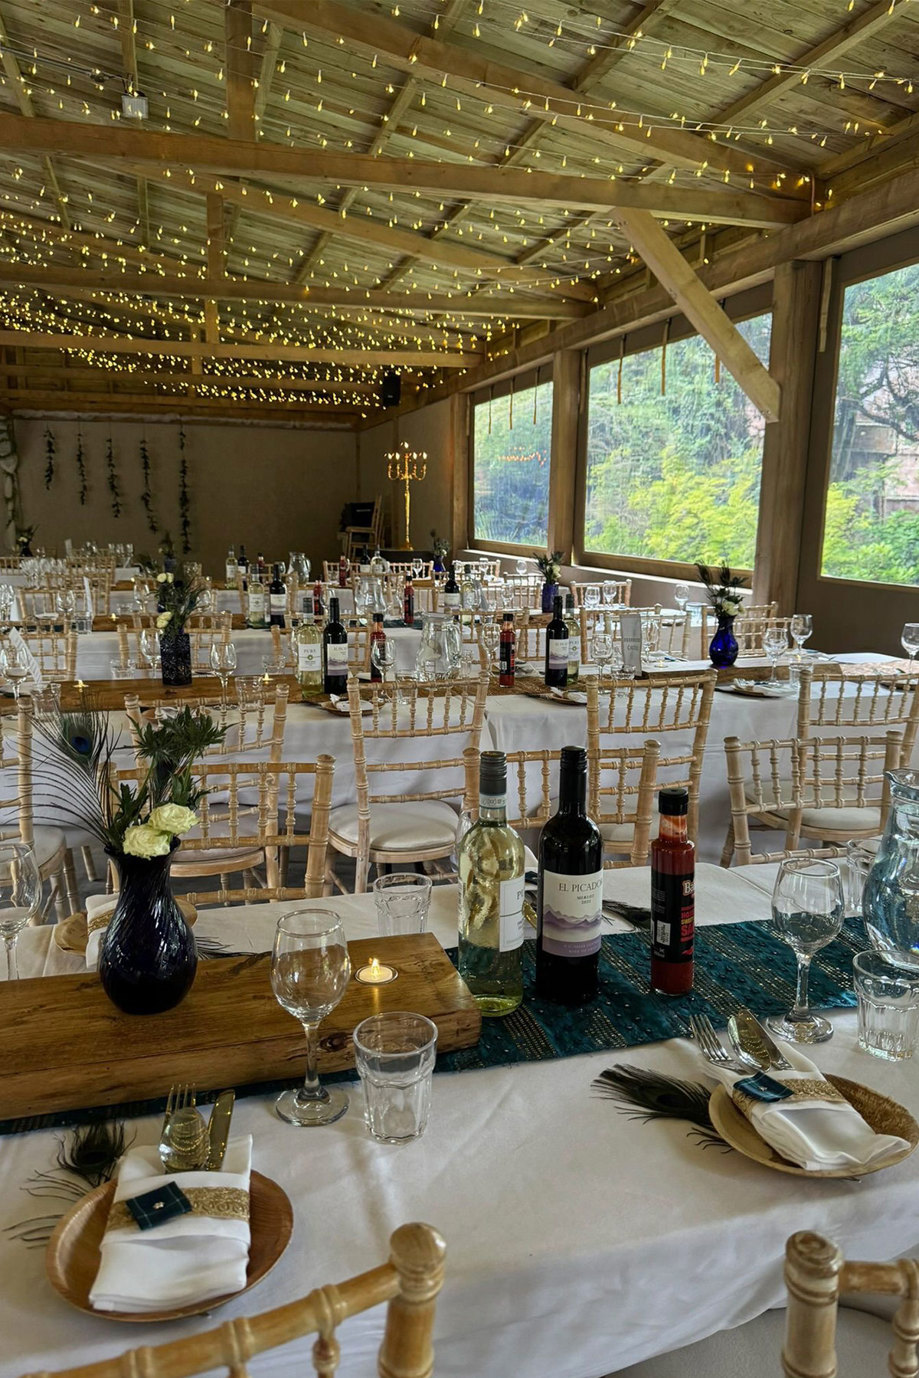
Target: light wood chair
(253, 721)
(832, 788)
(664, 707)
(521, 593)
(32, 775)
(622, 590)
(530, 629)
(356, 537)
(56, 653)
(409, 1282)
(396, 825)
(830, 697)
(841, 1317)
(749, 628)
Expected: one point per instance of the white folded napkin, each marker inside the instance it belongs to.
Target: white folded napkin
(818, 1129)
(189, 1259)
(99, 909)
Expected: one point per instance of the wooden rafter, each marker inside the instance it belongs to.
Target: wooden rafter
(32, 399)
(37, 373)
(240, 89)
(201, 349)
(24, 101)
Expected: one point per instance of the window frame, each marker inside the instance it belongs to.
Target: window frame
(517, 383)
(756, 301)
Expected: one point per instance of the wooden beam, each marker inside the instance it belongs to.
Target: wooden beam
(458, 458)
(190, 349)
(24, 101)
(30, 399)
(154, 284)
(523, 91)
(699, 307)
(37, 372)
(856, 30)
(566, 411)
(240, 91)
(216, 241)
(267, 69)
(793, 355)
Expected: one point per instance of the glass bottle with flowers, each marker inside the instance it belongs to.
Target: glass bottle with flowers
(178, 595)
(147, 958)
(724, 593)
(550, 567)
(441, 549)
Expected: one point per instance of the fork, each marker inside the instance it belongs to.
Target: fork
(183, 1138)
(712, 1049)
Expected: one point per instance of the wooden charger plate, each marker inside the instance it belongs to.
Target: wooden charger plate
(73, 1253)
(883, 1115)
(71, 934)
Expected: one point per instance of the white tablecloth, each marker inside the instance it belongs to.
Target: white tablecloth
(579, 1240)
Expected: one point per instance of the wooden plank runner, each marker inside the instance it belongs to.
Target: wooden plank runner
(66, 1046)
(109, 694)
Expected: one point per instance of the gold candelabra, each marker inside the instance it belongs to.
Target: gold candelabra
(408, 467)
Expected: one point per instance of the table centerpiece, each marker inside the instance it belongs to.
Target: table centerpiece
(727, 601)
(177, 597)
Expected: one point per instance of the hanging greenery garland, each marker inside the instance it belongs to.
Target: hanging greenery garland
(112, 478)
(184, 501)
(50, 452)
(146, 496)
(81, 469)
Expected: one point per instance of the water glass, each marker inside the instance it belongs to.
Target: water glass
(860, 857)
(592, 596)
(394, 1054)
(250, 691)
(20, 897)
(807, 913)
(681, 596)
(888, 1008)
(775, 642)
(402, 900)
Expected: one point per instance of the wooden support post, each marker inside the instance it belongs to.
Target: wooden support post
(216, 237)
(460, 457)
(812, 1267)
(700, 308)
(240, 91)
(566, 390)
(793, 353)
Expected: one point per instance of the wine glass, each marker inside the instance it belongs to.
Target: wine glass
(20, 897)
(775, 642)
(681, 596)
(383, 657)
(417, 567)
(141, 594)
(602, 648)
(148, 646)
(17, 668)
(592, 596)
(807, 913)
(223, 663)
(310, 970)
(910, 641)
(490, 632)
(521, 567)
(802, 625)
(609, 593)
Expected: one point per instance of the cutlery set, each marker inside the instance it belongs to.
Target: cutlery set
(188, 1143)
(754, 1048)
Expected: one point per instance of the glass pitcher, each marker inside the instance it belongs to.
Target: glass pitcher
(440, 653)
(890, 903)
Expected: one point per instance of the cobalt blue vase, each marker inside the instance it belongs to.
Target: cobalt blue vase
(549, 595)
(148, 958)
(723, 646)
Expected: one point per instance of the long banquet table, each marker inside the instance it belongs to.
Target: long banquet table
(579, 1240)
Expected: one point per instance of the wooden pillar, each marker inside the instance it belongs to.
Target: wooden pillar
(566, 408)
(460, 460)
(792, 358)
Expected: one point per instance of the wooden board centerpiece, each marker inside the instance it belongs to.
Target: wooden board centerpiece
(66, 1046)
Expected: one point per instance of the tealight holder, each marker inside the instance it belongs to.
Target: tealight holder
(375, 973)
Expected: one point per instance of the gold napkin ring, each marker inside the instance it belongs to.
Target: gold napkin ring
(220, 1203)
(807, 1088)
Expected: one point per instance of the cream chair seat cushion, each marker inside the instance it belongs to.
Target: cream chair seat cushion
(753, 1350)
(844, 818)
(416, 825)
(231, 858)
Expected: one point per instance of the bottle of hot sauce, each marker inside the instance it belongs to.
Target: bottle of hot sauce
(673, 870)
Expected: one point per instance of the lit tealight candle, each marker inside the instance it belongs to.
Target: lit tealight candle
(80, 686)
(376, 973)
(266, 677)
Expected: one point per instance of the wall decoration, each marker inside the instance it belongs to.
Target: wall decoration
(81, 470)
(9, 464)
(184, 501)
(112, 477)
(50, 452)
(146, 496)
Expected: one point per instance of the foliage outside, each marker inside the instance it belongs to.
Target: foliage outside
(512, 444)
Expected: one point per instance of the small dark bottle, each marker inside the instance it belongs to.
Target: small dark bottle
(506, 651)
(260, 565)
(570, 897)
(277, 599)
(451, 592)
(376, 634)
(318, 609)
(673, 872)
(334, 653)
(408, 603)
(343, 567)
(556, 676)
(243, 564)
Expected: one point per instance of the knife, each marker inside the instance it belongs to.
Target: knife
(756, 1041)
(218, 1129)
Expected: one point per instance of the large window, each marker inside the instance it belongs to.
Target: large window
(674, 454)
(512, 447)
(871, 526)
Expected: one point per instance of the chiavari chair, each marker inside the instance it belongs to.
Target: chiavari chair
(874, 701)
(26, 775)
(833, 788)
(254, 719)
(622, 590)
(55, 652)
(393, 823)
(750, 626)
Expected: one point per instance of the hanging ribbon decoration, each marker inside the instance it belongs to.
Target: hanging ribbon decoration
(664, 359)
(50, 452)
(81, 468)
(112, 476)
(184, 502)
(9, 465)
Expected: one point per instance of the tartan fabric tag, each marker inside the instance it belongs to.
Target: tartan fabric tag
(762, 1088)
(156, 1207)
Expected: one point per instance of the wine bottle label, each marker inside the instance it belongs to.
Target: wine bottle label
(336, 658)
(572, 913)
(672, 917)
(511, 906)
(492, 801)
(451, 602)
(558, 653)
(256, 604)
(630, 633)
(309, 657)
(507, 658)
(278, 602)
(231, 574)
(574, 655)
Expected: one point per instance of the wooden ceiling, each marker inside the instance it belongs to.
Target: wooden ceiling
(326, 189)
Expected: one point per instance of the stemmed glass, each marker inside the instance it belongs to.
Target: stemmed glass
(802, 625)
(609, 593)
(17, 668)
(592, 596)
(223, 663)
(910, 641)
(807, 913)
(681, 596)
(20, 897)
(602, 648)
(141, 594)
(148, 646)
(490, 632)
(310, 970)
(521, 567)
(383, 657)
(417, 567)
(775, 642)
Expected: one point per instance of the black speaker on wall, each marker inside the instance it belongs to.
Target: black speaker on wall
(391, 390)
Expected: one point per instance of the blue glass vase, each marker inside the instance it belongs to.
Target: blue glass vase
(438, 565)
(148, 958)
(723, 648)
(549, 595)
(890, 903)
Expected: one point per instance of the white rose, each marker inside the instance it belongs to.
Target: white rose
(173, 818)
(162, 622)
(731, 606)
(161, 578)
(144, 840)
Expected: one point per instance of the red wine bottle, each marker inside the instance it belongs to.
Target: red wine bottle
(277, 599)
(408, 603)
(343, 567)
(506, 651)
(334, 653)
(318, 609)
(377, 634)
(451, 592)
(556, 676)
(673, 871)
(570, 895)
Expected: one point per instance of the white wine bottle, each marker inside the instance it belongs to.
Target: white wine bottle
(491, 869)
(307, 640)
